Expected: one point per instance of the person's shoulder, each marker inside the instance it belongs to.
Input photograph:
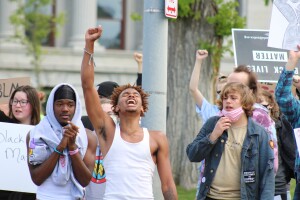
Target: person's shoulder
(258, 128)
(5, 118)
(157, 135)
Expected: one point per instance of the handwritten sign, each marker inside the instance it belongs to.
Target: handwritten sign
(14, 171)
(7, 86)
(284, 25)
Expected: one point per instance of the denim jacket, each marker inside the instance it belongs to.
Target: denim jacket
(257, 175)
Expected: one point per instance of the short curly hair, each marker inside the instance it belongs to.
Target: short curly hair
(118, 90)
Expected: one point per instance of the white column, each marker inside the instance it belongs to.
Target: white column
(83, 16)
(7, 7)
(134, 29)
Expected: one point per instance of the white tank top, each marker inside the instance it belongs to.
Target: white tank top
(129, 169)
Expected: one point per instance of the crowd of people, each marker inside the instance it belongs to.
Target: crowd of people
(219, 141)
(246, 146)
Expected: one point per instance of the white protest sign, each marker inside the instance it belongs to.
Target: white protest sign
(14, 170)
(297, 137)
(284, 33)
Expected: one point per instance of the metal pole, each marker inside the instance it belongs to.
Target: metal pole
(155, 43)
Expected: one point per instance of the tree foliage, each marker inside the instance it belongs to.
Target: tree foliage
(32, 27)
(225, 19)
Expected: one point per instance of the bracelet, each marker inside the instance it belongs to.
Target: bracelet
(73, 152)
(60, 153)
(91, 57)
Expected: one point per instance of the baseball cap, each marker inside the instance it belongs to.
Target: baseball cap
(106, 88)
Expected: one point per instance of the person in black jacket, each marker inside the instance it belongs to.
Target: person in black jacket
(286, 144)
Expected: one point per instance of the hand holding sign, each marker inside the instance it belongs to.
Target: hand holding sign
(294, 56)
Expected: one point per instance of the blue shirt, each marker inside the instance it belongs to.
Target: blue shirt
(289, 106)
(207, 110)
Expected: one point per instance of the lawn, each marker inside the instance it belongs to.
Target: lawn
(184, 194)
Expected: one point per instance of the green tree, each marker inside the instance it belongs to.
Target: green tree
(200, 24)
(33, 27)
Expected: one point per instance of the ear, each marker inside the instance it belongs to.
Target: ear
(117, 109)
(142, 111)
(270, 107)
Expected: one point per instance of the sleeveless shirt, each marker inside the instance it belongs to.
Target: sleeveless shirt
(129, 168)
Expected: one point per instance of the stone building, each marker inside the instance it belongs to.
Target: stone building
(114, 53)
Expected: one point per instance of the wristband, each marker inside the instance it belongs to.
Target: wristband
(60, 153)
(91, 57)
(73, 152)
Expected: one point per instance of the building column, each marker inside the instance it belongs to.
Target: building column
(83, 16)
(7, 7)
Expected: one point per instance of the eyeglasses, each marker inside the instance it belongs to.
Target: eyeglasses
(22, 102)
(266, 106)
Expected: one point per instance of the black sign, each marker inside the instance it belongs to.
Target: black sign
(250, 48)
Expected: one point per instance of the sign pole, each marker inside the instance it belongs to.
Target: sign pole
(155, 44)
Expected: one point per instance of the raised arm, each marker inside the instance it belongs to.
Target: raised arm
(164, 167)
(100, 120)
(91, 98)
(195, 92)
(138, 57)
(287, 102)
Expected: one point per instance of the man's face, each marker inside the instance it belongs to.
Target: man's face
(64, 110)
(130, 101)
(239, 77)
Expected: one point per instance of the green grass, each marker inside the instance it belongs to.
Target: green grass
(293, 185)
(184, 194)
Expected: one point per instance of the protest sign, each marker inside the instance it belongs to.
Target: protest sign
(297, 137)
(250, 49)
(7, 86)
(284, 26)
(14, 171)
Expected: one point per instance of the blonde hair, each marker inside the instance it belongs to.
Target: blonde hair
(247, 99)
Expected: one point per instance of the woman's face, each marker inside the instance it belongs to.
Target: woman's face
(264, 102)
(21, 108)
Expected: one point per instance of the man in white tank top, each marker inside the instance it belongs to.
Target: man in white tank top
(130, 152)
